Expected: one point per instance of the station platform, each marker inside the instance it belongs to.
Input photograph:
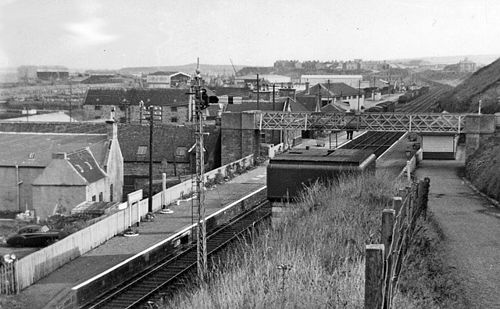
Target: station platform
(45, 292)
(392, 162)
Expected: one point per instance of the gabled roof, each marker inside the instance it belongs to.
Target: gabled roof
(60, 172)
(330, 108)
(36, 149)
(161, 97)
(308, 101)
(333, 90)
(85, 164)
(249, 106)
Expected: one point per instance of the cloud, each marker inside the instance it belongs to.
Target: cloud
(89, 33)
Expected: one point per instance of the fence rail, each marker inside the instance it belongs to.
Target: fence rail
(39, 264)
(385, 261)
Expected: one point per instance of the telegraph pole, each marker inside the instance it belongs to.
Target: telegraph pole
(359, 91)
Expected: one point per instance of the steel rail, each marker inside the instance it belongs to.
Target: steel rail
(140, 288)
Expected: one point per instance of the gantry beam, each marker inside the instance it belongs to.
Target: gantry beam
(395, 122)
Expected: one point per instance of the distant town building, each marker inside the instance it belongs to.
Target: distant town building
(52, 75)
(131, 105)
(466, 66)
(337, 94)
(350, 80)
(168, 80)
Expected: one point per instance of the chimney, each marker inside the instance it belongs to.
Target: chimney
(112, 113)
(59, 155)
(307, 87)
(112, 129)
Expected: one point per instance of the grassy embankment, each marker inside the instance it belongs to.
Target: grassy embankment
(483, 169)
(315, 258)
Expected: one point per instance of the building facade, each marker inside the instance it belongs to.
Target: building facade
(171, 106)
(47, 172)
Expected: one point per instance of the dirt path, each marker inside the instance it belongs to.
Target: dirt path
(471, 226)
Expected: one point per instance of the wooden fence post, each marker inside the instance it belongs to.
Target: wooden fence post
(374, 276)
(425, 195)
(387, 228)
(397, 201)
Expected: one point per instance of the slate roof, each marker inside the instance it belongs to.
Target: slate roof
(330, 108)
(36, 149)
(85, 164)
(161, 97)
(232, 91)
(333, 90)
(162, 73)
(166, 139)
(308, 101)
(249, 106)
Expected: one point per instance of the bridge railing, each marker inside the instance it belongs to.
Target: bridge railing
(428, 122)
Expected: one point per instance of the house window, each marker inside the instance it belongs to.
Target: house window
(123, 119)
(101, 197)
(32, 156)
(93, 198)
(173, 119)
(122, 108)
(180, 151)
(111, 192)
(173, 109)
(141, 150)
(97, 107)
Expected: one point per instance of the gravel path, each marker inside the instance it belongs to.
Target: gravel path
(471, 226)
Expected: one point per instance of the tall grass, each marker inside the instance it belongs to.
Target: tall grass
(313, 259)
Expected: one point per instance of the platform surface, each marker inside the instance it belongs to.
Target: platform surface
(120, 248)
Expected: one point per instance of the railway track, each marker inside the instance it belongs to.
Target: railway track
(377, 142)
(423, 103)
(146, 285)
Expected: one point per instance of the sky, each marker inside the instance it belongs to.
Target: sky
(112, 34)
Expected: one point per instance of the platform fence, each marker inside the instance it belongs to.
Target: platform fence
(39, 264)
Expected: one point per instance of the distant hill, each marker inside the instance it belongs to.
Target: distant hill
(479, 59)
(209, 69)
(483, 84)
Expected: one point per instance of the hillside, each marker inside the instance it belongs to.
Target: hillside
(482, 168)
(483, 85)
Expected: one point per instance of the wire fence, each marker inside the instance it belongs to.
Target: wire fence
(385, 261)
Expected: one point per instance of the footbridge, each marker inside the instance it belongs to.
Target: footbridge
(395, 122)
(242, 133)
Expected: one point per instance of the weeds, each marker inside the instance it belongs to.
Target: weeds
(313, 259)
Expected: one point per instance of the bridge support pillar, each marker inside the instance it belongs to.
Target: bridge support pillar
(477, 129)
(239, 136)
